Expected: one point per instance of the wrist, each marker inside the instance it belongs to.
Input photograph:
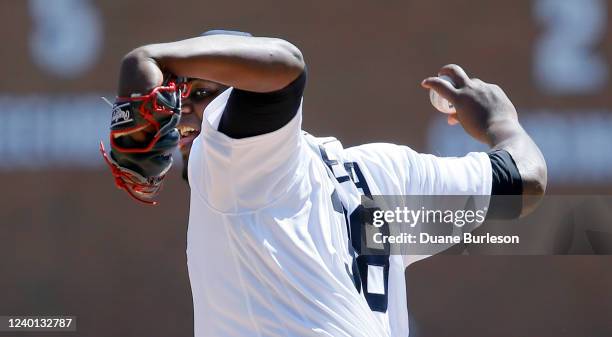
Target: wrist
(501, 130)
(139, 73)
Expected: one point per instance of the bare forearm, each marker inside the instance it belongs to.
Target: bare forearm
(251, 63)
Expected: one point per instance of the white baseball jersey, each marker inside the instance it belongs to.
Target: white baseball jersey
(268, 249)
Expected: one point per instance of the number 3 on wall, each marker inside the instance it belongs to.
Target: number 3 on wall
(566, 61)
(66, 37)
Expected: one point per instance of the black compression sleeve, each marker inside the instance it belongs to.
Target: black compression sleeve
(506, 182)
(506, 177)
(249, 114)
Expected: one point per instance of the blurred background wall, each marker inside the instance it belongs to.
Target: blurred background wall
(70, 243)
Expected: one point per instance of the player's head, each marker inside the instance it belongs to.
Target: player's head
(201, 94)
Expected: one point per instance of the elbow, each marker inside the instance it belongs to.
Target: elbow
(538, 179)
(291, 54)
(541, 182)
(288, 58)
(534, 187)
(279, 63)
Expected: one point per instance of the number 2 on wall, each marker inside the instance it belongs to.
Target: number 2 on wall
(566, 61)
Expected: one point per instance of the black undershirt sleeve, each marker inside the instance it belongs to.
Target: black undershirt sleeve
(249, 114)
(507, 187)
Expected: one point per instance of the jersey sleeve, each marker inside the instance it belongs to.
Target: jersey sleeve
(399, 170)
(259, 164)
(432, 175)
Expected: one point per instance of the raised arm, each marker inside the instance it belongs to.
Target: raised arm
(268, 77)
(257, 64)
(488, 115)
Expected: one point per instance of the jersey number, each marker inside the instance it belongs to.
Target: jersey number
(370, 271)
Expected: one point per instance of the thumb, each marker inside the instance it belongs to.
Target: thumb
(442, 87)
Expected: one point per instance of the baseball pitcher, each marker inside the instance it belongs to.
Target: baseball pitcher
(269, 243)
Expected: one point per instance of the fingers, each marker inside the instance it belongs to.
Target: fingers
(452, 119)
(442, 87)
(456, 73)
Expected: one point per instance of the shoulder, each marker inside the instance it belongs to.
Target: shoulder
(385, 165)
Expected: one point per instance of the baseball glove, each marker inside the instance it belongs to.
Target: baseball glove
(140, 165)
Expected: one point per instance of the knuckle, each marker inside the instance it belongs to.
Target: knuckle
(451, 66)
